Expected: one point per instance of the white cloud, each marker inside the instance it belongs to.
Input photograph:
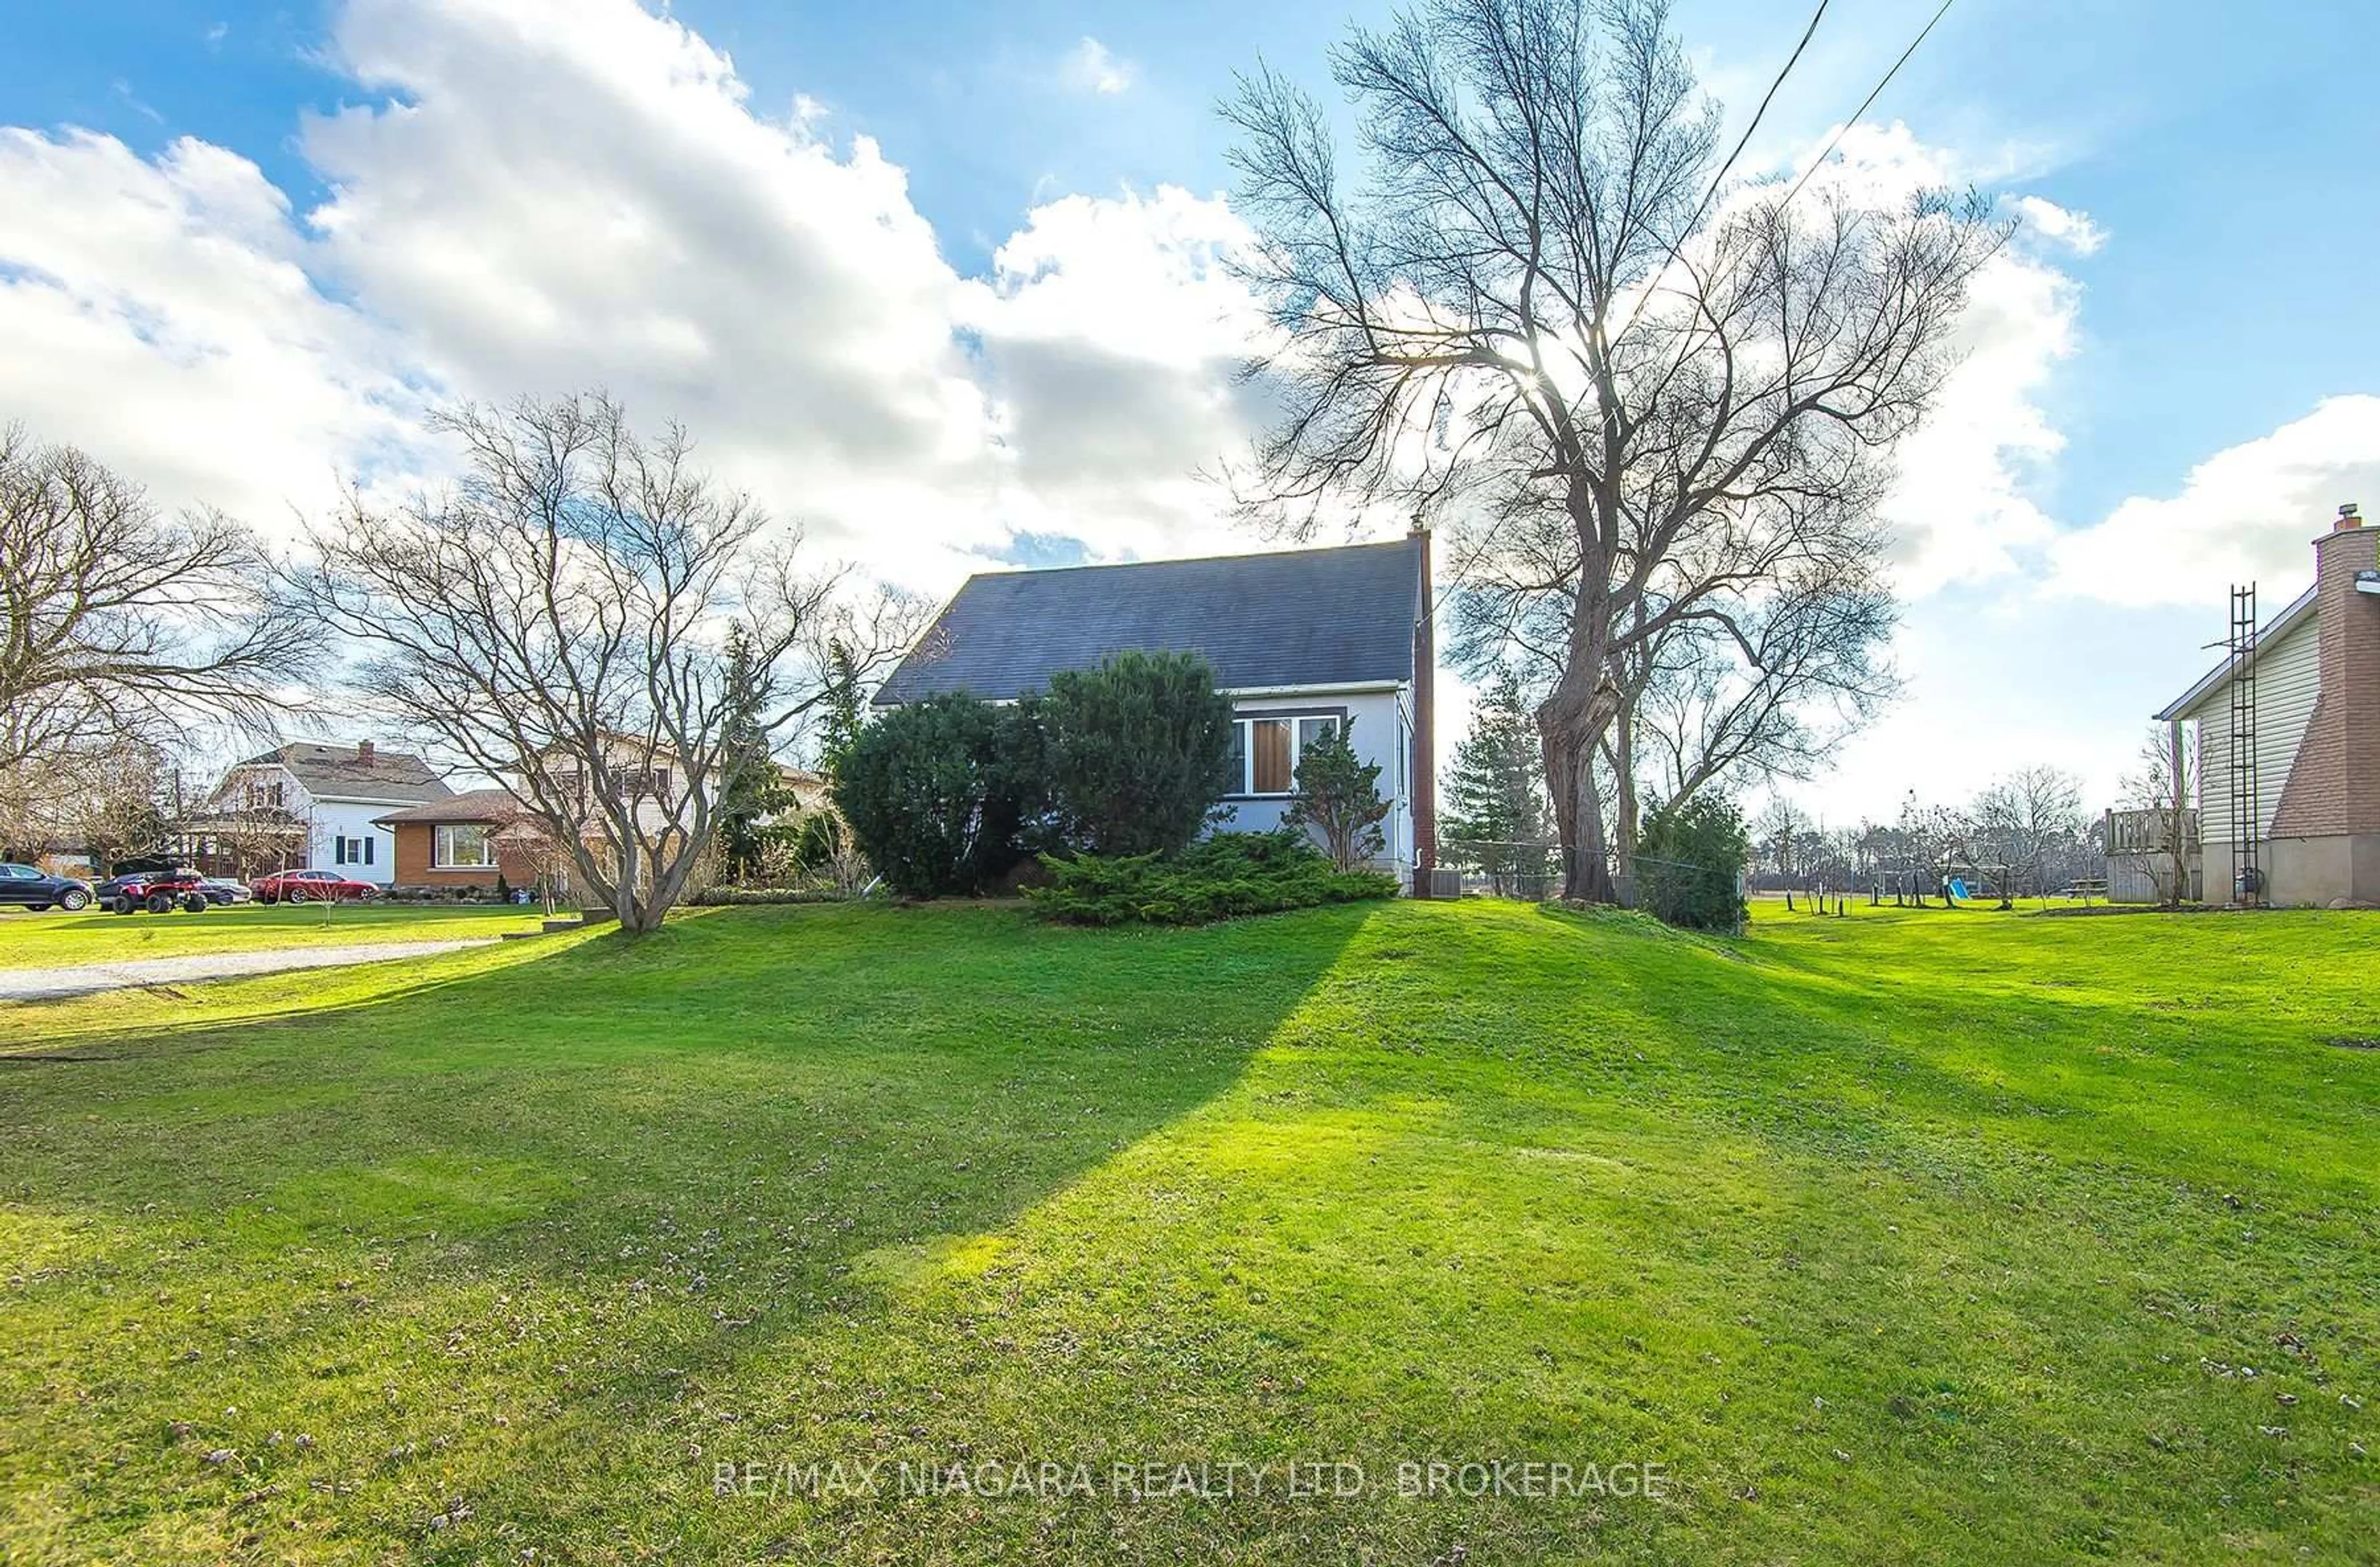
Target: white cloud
(545, 206)
(1112, 334)
(541, 197)
(2063, 224)
(160, 314)
(1091, 68)
(1959, 510)
(2247, 511)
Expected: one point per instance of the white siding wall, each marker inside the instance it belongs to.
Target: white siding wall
(327, 821)
(1380, 732)
(2288, 676)
(334, 819)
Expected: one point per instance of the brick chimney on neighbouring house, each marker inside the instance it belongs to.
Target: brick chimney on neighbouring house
(1424, 722)
(2333, 784)
(364, 752)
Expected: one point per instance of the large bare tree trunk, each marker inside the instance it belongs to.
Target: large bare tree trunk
(1569, 747)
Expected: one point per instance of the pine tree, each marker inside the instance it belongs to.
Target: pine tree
(1337, 795)
(749, 788)
(841, 725)
(1493, 794)
(1136, 752)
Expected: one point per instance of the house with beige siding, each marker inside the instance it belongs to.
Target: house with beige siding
(2313, 812)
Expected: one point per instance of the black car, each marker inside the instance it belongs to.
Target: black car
(26, 886)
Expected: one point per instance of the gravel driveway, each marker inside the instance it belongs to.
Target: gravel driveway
(87, 978)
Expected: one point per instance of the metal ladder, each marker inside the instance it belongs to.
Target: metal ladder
(2247, 795)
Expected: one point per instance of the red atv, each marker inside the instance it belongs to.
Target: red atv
(156, 891)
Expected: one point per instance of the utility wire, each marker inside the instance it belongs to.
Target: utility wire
(1865, 104)
(1719, 180)
(1745, 139)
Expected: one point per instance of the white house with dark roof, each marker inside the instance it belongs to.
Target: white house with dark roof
(1302, 641)
(335, 794)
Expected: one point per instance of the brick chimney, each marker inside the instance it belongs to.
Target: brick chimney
(2333, 784)
(1424, 722)
(364, 752)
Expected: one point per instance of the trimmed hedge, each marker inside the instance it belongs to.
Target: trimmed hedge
(1217, 878)
(1690, 862)
(743, 897)
(935, 794)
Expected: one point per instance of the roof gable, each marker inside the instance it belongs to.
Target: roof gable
(494, 806)
(2298, 610)
(342, 773)
(1296, 618)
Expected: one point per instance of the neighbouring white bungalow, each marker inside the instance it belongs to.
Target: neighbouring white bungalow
(1303, 641)
(2307, 699)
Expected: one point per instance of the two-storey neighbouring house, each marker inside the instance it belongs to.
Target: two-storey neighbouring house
(2288, 741)
(1303, 642)
(333, 796)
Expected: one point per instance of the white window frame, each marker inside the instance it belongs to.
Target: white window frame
(441, 846)
(1244, 788)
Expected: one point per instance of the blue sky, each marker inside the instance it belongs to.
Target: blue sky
(2216, 155)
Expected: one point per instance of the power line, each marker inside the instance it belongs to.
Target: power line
(1865, 104)
(1719, 180)
(1743, 141)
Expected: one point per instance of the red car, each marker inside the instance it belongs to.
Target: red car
(310, 887)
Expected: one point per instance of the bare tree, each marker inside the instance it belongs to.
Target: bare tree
(121, 621)
(561, 616)
(1779, 833)
(2162, 790)
(104, 797)
(1767, 698)
(252, 841)
(2026, 820)
(1641, 407)
(1932, 842)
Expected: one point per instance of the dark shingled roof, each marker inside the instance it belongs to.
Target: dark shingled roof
(472, 805)
(339, 772)
(1300, 617)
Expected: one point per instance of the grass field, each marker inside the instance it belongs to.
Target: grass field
(1891, 1238)
(56, 940)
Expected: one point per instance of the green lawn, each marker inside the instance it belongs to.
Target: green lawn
(1891, 1238)
(56, 940)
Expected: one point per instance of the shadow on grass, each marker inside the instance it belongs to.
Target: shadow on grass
(496, 1210)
